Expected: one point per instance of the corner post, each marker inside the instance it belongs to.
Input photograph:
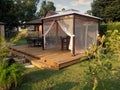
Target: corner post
(99, 26)
(73, 52)
(43, 48)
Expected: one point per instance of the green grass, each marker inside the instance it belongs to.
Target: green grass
(69, 78)
(22, 41)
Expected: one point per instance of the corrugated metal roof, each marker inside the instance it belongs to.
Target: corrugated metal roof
(69, 12)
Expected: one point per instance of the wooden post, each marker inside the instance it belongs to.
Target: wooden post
(99, 26)
(86, 31)
(98, 32)
(2, 31)
(73, 52)
(42, 36)
(34, 27)
(56, 27)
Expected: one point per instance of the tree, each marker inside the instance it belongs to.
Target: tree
(109, 10)
(89, 12)
(45, 7)
(63, 9)
(15, 12)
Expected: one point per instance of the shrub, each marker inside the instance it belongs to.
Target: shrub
(10, 74)
(109, 26)
(113, 26)
(100, 62)
(99, 66)
(113, 42)
(103, 29)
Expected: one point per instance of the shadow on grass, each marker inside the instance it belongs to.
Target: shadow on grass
(111, 85)
(108, 84)
(35, 76)
(105, 85)
(63, 86)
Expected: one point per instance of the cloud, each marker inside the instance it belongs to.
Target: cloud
(51, 0)
(80, 2)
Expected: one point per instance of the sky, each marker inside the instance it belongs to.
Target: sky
(81, 5)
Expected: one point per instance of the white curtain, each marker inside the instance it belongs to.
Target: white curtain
(68, 31)
(47, 28)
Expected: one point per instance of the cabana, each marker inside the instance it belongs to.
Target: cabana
(82, 30)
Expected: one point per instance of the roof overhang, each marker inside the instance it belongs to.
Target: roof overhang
(34, 22)
(70, 13)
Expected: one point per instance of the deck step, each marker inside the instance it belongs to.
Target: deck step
(54, 58)
(49, 62)
(70, 61)
(42, 65)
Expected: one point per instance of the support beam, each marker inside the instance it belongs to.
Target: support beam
(99, 26)
(73, 50)
(43, 36)
(56, 28)
(86, 32)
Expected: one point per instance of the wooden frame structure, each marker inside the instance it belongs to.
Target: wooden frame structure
(75, 15)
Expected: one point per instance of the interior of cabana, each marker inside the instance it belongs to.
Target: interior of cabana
(71, 31)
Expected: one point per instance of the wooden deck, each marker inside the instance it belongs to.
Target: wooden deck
(53, 58)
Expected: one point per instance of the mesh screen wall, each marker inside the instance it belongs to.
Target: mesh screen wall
(85, 34)
(86, 30)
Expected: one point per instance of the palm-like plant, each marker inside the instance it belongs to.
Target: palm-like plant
(10, 74)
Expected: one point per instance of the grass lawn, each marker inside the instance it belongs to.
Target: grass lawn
(22, 41)
(69, 78)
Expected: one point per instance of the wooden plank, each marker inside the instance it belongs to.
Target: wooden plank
(53, 58)
(40, 64)
(69, 62)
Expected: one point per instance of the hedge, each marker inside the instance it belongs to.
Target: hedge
(109, 26)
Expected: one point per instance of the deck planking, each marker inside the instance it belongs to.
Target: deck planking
(54, 58)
